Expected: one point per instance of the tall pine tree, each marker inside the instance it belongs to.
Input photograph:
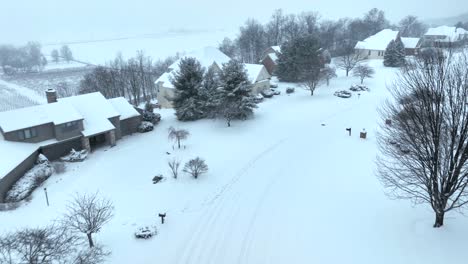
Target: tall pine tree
(209, 93)
(395, 54)
(235, 98)
(389, 56)
(187, 82)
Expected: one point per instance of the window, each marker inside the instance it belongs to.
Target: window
(27, 133)
(69, 126)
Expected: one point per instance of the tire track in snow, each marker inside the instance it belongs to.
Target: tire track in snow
(195, 241)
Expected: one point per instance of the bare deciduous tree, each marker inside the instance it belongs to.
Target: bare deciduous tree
(94, 255)
(424, 152)
(55, 55)
(328, 73)
(174, 167)
(311, 80)
(87, 214)
(363, 71)
(348, 61)
(196, 167)
(178, 135)
(51, 244)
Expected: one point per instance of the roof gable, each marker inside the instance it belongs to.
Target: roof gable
(378, 41)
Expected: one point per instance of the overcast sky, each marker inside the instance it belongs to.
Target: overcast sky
(62, 20)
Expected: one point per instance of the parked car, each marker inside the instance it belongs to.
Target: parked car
(275, 92)
(146, 232)
(273, 85)
(258, 98)
(343, 94)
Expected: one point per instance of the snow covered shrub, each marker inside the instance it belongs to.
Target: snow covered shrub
(196, 167)
(290, 90)
(151, 117)
(358, 88)
(149, 107)
(146, 232)
(343, 94)
(145, 126)
(75, 156)
(157, 178)
(30, 181)
(267, 93)
(59, 167)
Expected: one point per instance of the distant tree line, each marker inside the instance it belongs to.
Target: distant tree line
(133, 78)
(25, 58)
(339, 36)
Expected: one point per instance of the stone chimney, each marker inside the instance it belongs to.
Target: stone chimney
(51, 95)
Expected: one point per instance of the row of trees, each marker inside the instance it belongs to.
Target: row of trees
(59, 242)
(65, 53)
(201, 93)
(133, 78)
(336, 36)
(22, 59)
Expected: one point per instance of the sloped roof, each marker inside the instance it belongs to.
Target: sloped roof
(450, 33)
(378, 41)
(410, 43)
(56, 113)
(165, 79)
(124, 108)
(276, 48)
(96, 111)
(206, 56)
(254, 71)
(273, 56)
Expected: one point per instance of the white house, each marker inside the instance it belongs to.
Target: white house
(444, 36)
(258, 76)
(374, 46)
(209, 57)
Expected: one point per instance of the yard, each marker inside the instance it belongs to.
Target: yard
(289, 186)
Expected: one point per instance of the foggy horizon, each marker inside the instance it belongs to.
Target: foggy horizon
(53, 22)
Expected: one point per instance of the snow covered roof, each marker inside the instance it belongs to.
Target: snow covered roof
(273, 56)
(276, 48)
(410, 43)
(96, 111)
(206, 56)
(254, 71)
(378, 41)
(125, 109)
(165, 80)
(450, 33)
(56, 113)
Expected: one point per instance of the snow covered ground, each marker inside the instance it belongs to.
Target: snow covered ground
(281, 188)
(157, 45)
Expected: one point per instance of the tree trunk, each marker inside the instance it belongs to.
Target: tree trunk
(178, 143)
(90, 240)
(229, 123)
(439, 220)
(347, 72)
(362, 80)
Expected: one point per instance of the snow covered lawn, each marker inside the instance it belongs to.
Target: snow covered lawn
(281, 188)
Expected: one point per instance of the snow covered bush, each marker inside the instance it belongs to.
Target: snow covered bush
(343, 94)
(145, 126)
(267, 93)
(157, 178)
(146, 232)
(151, 117)
(30, 181)
(75, 156)
(290, 90)
(359, 88)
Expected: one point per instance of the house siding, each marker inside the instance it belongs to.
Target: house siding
(164, 97)
(130, 125)
(61, 134)
(116, 122)
(260, 86)
(44, 132)
(13, 176)
(269, 64)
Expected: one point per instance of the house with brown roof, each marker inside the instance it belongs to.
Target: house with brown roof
(270, 58)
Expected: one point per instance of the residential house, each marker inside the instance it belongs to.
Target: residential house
(445, 36)
(208, 57)
(258, 76)
(374, 46)
(411, 45)
(79, 122)
(270, 58)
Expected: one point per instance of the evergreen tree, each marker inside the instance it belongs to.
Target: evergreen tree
(209, 93)
(299, 57)
(400, 53)
(187, 82)
(235, 99)
(389, 56)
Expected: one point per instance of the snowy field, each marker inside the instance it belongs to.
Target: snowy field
(282, 188)
(158, 45)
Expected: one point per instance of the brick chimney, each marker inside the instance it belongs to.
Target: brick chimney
(51, 95)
